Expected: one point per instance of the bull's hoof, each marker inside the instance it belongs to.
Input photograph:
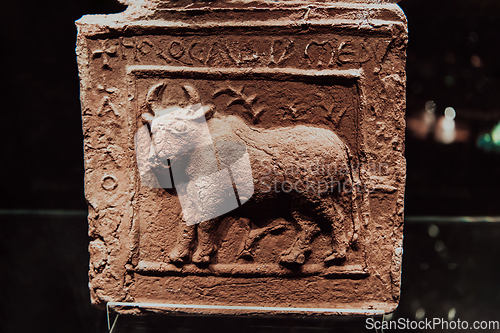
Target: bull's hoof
(335, 257)
(292, 258)
(203, 257)
(246, 254)
(179, 255)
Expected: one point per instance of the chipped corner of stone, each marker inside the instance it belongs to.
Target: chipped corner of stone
(93, 24)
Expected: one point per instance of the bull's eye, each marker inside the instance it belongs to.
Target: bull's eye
(157, 127)
(179, 127)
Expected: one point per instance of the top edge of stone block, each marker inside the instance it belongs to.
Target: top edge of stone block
(271, 2)
(164, 10)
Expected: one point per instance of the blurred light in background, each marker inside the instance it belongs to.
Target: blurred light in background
(420, 314)
(475, 61)
(490, 141)
(423, 124)
(445, 129)
(451, 314)
(433, 230)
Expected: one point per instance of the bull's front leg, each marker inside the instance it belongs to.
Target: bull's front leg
(180, 252)
(206, 241)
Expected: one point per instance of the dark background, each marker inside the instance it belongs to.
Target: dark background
(43, 237)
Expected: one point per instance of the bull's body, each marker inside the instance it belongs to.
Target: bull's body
(302, 167)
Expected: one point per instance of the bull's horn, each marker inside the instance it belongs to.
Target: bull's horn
(154, 98)
(194, 98)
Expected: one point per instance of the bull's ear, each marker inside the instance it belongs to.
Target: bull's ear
(209, 111)
(147, 117)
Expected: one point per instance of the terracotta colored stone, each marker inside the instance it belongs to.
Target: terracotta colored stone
(245, 154)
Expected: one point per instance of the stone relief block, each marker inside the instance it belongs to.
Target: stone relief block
(248, 158)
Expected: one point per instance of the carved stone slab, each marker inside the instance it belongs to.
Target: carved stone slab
(245, 158)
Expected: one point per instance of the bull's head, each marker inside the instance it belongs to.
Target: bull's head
(178, 146)
(177, 120)
(174, 122)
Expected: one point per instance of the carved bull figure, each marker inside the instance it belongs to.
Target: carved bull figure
(282, 179)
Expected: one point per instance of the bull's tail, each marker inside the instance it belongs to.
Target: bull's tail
(354, 198)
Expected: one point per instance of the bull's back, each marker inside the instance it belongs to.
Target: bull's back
(297, 146)
(273, 152)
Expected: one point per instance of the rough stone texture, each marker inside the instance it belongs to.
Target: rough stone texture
(317, 88)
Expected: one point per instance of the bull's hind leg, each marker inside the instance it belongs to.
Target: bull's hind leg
(254, 236)
(180, 253)
(339, 237)
(206, 241)
(296, 254)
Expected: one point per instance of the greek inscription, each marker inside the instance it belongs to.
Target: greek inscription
(109, 183)
(145, 47)
(281, 50)
(320, 53)
(199, 52)
(129, 49)
(108, 50)
(351, 52)
(218, 55)
(176, 50)
(242, 53)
